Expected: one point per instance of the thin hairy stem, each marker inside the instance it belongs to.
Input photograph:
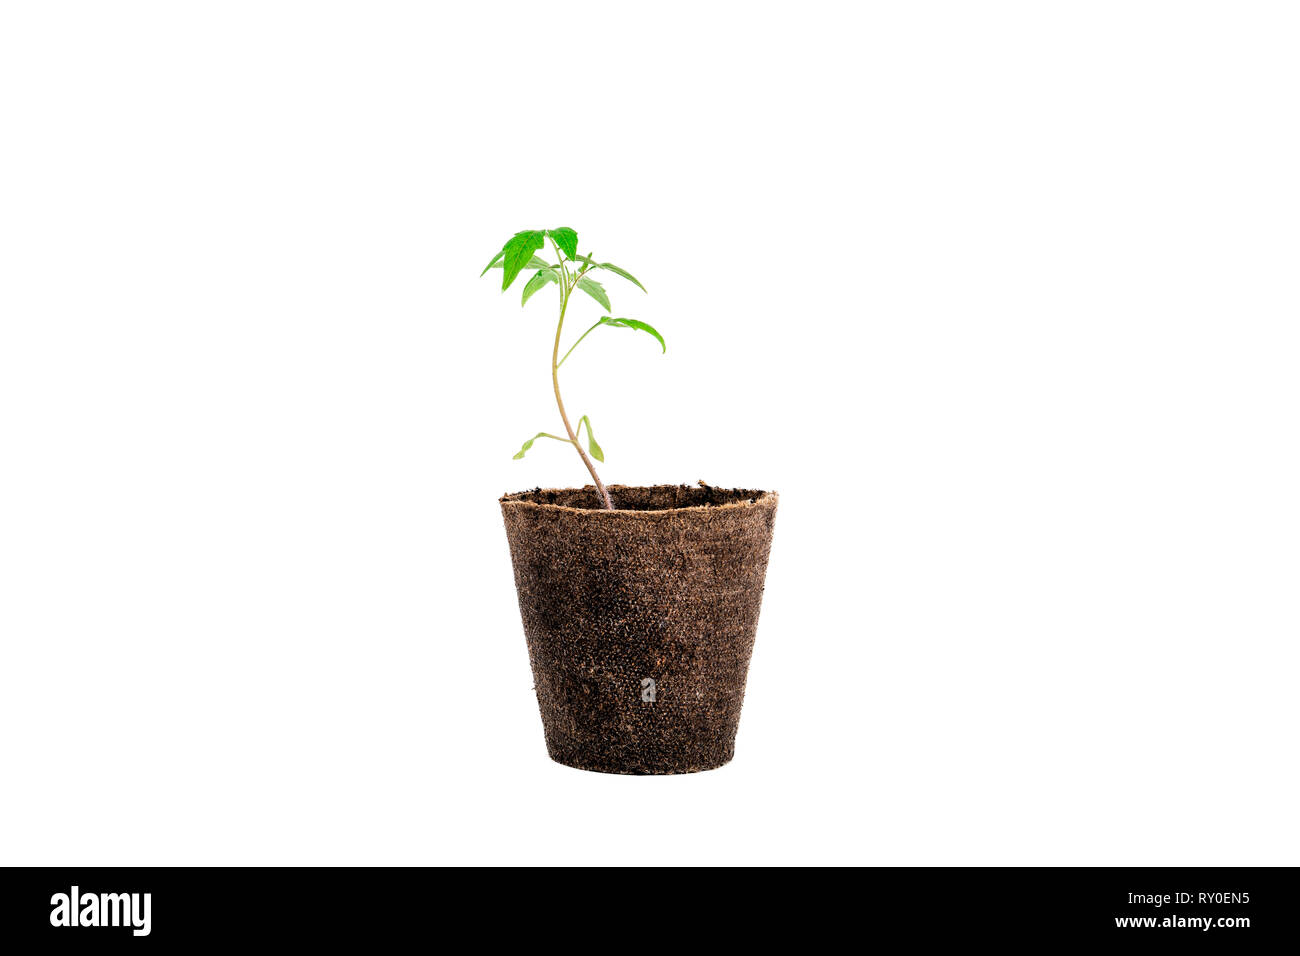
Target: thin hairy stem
(580, 338)
(566, 288)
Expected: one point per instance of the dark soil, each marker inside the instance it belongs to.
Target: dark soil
(654, 498)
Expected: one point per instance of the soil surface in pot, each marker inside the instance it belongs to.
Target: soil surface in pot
(640, 621)
(651, 498)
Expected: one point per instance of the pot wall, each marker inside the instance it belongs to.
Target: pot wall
(640, 622)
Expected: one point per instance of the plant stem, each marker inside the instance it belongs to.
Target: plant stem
(580, 338)
(566, 287)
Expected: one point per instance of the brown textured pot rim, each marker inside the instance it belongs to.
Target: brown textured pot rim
(520, 499)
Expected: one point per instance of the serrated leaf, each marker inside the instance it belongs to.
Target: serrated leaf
(538, 281)
(566, 239)
(610, 267)
(635, 324)
(595, 290)
(519, 252)
(536, 262)
(592, 447)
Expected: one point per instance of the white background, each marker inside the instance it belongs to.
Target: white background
(1001, 297)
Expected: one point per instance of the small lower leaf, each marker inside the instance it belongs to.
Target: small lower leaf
(529, 444)
(592, 447)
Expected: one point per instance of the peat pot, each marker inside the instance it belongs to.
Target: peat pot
(640, 621)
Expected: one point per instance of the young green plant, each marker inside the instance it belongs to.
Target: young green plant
(570, 271)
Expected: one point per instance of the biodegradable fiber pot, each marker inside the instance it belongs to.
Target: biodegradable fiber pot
(640, 621)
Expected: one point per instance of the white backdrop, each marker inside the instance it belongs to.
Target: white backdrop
(1001, 298)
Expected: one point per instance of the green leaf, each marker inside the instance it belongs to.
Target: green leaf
(536, 262)
(610, 267)
(529, 444)
(566, 239)
(592, 447)
(537, 282)
(495, 259)
(595, 290)
(519, 252)
(635, 324)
